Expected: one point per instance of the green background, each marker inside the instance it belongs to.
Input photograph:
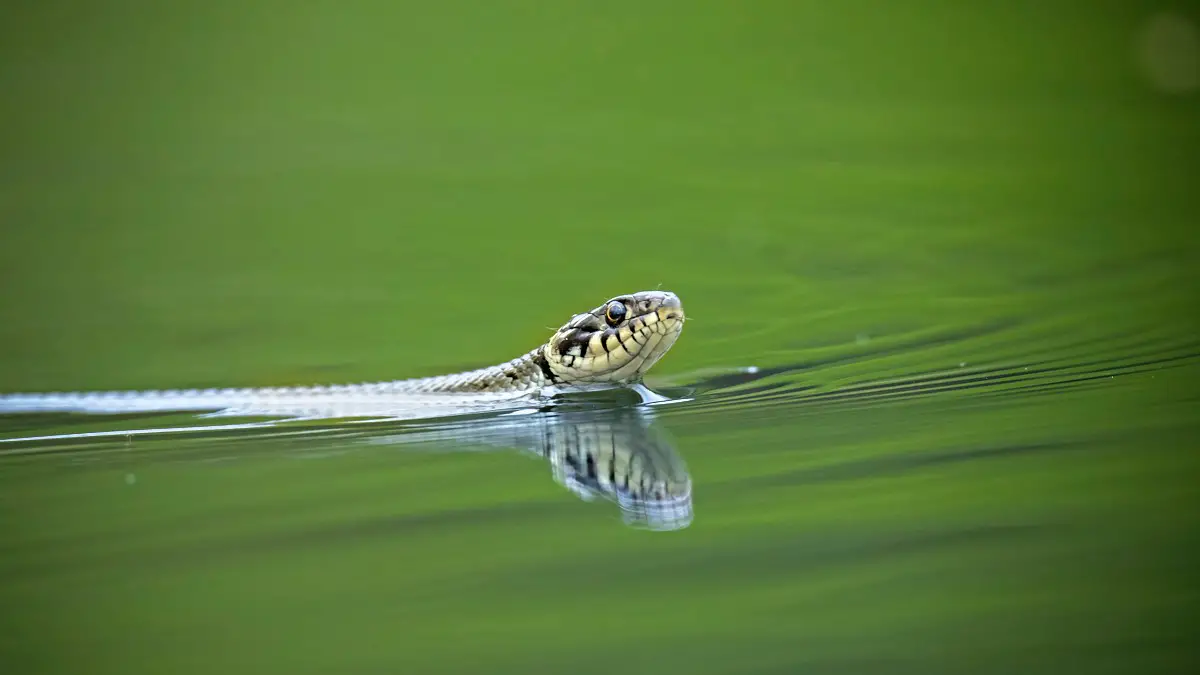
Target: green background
(264, 193)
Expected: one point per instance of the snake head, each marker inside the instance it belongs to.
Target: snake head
(617, 342)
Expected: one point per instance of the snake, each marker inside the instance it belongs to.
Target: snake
(613, 344)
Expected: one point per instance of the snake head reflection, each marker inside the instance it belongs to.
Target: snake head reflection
(619, 457)
(598, 447)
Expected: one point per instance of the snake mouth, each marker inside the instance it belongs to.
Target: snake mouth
(671, 329)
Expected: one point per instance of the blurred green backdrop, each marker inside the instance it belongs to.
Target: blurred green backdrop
(200, 194)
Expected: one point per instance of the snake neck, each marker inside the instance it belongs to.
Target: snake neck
(526, 373)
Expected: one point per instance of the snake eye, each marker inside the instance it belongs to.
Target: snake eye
(615, 313)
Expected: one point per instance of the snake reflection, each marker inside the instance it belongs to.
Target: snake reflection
(614, 454)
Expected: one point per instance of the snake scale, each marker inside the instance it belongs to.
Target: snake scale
(612, 344)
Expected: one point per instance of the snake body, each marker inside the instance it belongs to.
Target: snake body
(614, 344)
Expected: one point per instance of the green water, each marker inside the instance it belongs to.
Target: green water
(957, 239)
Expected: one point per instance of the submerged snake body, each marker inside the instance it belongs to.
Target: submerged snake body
(615, 343)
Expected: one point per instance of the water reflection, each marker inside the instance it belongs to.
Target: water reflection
(617, 454)
(600, 445)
